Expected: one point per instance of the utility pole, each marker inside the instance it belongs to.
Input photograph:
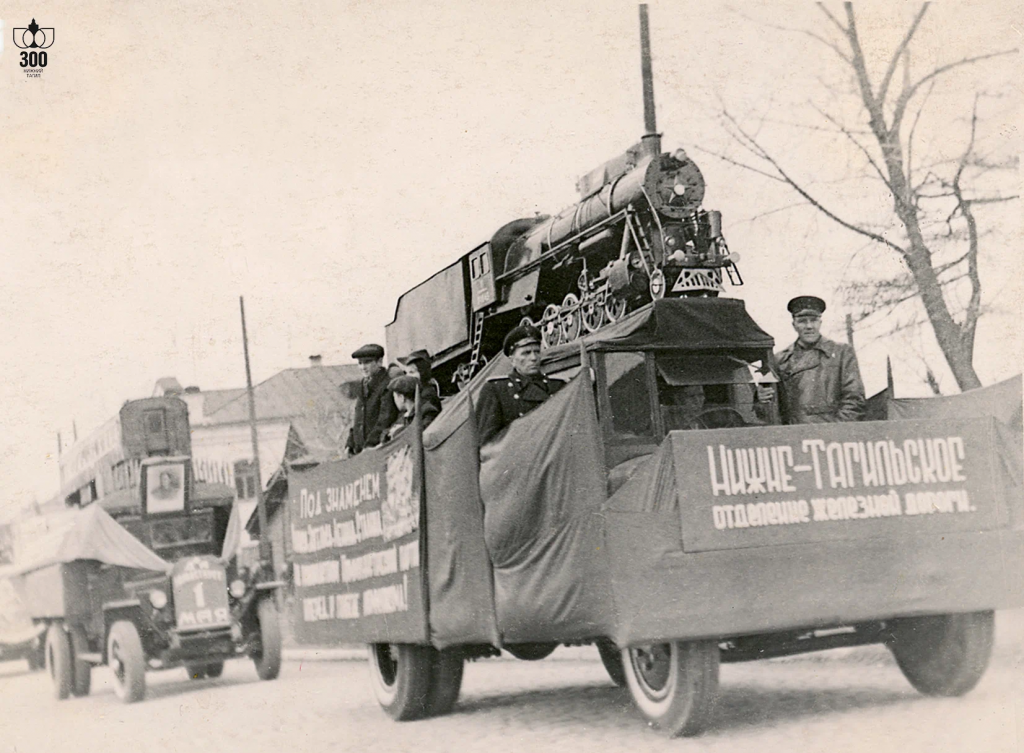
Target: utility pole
(261, 508)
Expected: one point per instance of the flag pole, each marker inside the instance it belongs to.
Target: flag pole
(265, 550)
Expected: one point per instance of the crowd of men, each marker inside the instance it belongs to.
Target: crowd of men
(820, 382)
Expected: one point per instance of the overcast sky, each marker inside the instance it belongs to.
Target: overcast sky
(322, 157)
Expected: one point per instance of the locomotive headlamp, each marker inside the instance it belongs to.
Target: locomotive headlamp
(635, 261)
(158, 598)
(679, 189)
(237, 588)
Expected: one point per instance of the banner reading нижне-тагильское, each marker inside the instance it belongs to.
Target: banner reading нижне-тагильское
(815, 482)
(354, 533)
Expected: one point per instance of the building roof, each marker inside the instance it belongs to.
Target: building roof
(311, 398)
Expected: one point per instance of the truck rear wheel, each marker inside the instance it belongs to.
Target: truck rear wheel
(674, 685)
(59, 660)
(82, 670)
(445, 681)
(37, 656)
(268, 660)
(944, 655)
(127, 661)
(531, 651)
(611, 657)
(402, 676)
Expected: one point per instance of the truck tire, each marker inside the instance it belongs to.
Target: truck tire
(268, 660)
(402, 676)
(674, 685)
(531, 651)
(445, 681)
(59, 661)
(196, 671)
(127, 661)
(944, 655)
(611, 657)
(37, 656)
(81, 681)
(203, 671)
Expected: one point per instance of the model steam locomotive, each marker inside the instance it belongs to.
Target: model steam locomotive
(637, 234)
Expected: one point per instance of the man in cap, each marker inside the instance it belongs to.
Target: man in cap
(820, 378)
(375, 409)
(403, 389)
(504, 399)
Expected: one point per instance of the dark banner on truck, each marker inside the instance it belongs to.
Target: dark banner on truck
(354, 530)
(818, 482)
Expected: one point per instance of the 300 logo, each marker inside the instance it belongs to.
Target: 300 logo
(33, 59)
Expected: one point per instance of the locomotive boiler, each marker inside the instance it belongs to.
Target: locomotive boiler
(638, 233)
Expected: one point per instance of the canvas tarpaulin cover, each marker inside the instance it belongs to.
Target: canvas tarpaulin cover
(1002, 401)
(461, 589)
(88, 534)
(682, 324)
(543, 486)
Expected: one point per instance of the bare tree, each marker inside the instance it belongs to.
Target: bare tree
(933, 227)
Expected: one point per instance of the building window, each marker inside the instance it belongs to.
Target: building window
(245, 479)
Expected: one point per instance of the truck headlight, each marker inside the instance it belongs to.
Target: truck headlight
(237, 588)
(158, 598)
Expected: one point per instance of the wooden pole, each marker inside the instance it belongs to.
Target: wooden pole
(261, 508)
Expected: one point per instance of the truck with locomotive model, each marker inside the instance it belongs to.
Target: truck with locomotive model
(657, 506)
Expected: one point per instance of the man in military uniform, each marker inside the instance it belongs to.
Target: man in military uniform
(375, 408)
(820, 378)
(504, 399)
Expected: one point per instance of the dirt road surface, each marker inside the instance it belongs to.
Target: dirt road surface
(848, 701)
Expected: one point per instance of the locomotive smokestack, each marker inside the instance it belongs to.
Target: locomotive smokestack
(651, 139)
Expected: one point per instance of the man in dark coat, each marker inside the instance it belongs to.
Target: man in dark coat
(504, 399)
(375, 408)
(820, 378)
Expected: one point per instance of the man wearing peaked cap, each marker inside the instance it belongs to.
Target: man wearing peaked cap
(820, 378)
(375, 410)
(504, 399)
(403, 389)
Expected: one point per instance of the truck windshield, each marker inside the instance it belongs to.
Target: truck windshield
(712, 392)
(170, 532)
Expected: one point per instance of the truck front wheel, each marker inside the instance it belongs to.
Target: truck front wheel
(82, 676)
(674, 685)
(445, 682)
(59, 662)
(946, 654)
(268, 660)
(127, 661)
(402, 676)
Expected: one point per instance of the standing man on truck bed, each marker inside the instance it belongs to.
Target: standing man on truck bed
(375, 408)
(504, 399)
(820, 378)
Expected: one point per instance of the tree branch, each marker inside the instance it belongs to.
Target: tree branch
(887, 78)
(907, 94)
(833, 19)
(863, 149)
(759, 151)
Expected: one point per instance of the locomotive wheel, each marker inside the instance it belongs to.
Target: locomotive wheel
(614, 308)
(946, 654)
(268, 660)
(402, 676)
(611, 658)
(674, 684)
(531, 651)
(592, 313)
(550, 329)
(59, 660)
(571, 324)
(127, 661)
(81, 681)
(445, 681)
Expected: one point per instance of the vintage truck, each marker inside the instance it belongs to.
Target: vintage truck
(141, 572)
(657, 508)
